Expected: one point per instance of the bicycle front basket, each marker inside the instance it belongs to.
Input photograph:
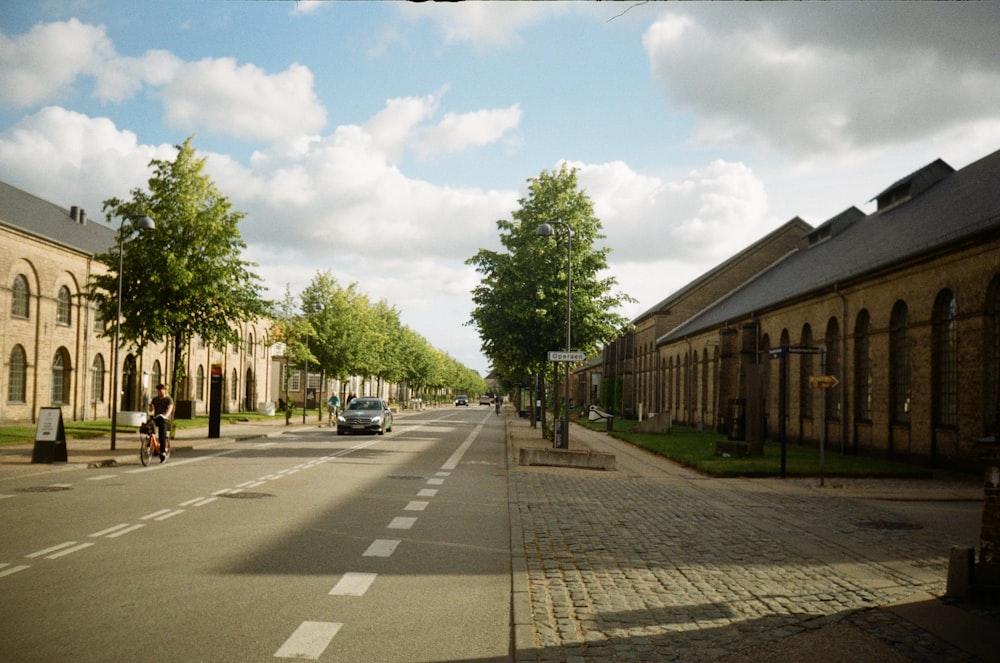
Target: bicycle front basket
(147, 427)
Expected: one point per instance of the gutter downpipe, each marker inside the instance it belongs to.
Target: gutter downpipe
(843, 371)
(690, 372)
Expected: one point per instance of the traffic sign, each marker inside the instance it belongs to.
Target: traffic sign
(556, 355)
(823, 381)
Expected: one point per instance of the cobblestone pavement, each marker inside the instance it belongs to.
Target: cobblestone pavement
(678, 567)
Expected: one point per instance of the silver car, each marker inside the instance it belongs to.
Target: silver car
(365, 415)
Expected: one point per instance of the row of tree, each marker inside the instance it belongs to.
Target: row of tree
(521, 302)
(187, 277)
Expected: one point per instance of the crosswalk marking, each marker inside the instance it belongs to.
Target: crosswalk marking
(309, 640)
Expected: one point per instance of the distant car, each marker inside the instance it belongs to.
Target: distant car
(365, 415)
(462, 400)
(486, 399)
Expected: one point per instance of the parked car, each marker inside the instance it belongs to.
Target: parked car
(486, 399)
(365, 415)
(462, 400)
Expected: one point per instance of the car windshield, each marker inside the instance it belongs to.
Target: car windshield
(364, 404)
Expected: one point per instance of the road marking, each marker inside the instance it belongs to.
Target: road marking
(14, 569)
(127, 530)
(381, 548)
(401, 523)
(39, 553)
(442, 474)
(101, 477)
(452, 462)
(3, 497)
(70, 551)
(171, 514)
(309, 640)
(203, 502)
(353, 584)
(416, 505)
(435, 482)
(427, 492)
(105, 532)
(155, 514)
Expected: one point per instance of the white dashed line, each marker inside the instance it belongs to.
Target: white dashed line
(69, 551)
(401, 523)
(41, 553)
(12, 570)
(101, 477)
(155, 514)
(381, 548)
(170, 514)
(309, 640)
(427, 492)
(105, 532)
(127, 530)
(353, 584)
(416, 505)
(435, 482)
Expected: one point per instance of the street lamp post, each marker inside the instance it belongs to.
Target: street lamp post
(546, 230)
(143, 223)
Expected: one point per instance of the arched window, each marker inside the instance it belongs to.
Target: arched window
(99, 322)
(64, 307)
(156, 375)
(234, 387)
(945, 359)
(17, 375)
(899, 364)
(805, 371)
(19, 307)
(704, 379)
(200, 384)
(60, 377)
(863, 367)
(250, 347)
(97, 380)
(833, 361)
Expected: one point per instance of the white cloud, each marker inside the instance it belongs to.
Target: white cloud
(828, 79)
(243, 101)
(463, 131)
(484, 24)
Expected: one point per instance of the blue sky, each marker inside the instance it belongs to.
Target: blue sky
(382, 140)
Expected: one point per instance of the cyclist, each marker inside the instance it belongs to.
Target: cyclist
(496, 404)
(162, 407)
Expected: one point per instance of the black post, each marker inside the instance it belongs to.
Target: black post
(215, 402)
(783, 407)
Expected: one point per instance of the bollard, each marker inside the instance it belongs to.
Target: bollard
(610, 424)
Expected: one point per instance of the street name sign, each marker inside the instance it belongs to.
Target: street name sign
(556, 355)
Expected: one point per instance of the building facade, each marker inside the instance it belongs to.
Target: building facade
(52, 340)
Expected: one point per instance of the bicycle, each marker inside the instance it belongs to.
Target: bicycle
(149, 443)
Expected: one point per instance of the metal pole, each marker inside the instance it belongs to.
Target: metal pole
(569, 346)
(114, 367)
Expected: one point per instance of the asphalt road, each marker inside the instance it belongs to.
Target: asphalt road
(311, 546)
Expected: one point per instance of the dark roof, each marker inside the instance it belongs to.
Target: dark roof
(34, 216)
(956, 207)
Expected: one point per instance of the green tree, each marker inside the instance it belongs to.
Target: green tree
(187, 276)
(520, 303)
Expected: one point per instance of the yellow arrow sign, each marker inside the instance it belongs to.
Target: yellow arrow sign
(823, 381)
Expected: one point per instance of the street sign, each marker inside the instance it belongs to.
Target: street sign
(823, 381)
(556, 355)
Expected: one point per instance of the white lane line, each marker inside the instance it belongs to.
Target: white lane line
(3, 497)
(416, 505)
(427, 492)
(40, 553)
(170, 514)
(401, 523)
(435, 482)
(127, 530)
(155, 514)
(207, 500)
(105, 532)
(442, 474)
(70, 551)
(353, 584)
(101, 477)
(452, 462)
(309, 641)
(14, 569)
(381, 548)
(177, 463)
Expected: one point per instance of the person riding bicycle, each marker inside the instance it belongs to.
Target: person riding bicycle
(162, 407)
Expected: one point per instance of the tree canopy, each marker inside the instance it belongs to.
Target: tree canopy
(186, 276)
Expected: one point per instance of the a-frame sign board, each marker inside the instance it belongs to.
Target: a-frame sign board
(50, 437)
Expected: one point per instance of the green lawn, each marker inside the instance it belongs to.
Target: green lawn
(697, 450)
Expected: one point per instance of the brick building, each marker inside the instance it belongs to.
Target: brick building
(52, 342)
(904, 304)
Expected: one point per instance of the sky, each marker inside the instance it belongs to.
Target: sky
(382, 141)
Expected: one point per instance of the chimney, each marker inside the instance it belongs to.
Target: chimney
(74, 213)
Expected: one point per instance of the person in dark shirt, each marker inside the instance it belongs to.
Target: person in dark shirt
(162, 408)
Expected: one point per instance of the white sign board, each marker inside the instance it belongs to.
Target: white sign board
(556, 355)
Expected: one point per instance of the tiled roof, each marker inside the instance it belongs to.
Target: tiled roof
(34, 216)
(956, 208)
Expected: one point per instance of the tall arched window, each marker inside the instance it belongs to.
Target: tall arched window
(64, 307)
(805, 371)
(97, 380)
(899, 364)
(863, 367)
(60, 377)
(19, 307)
(945, 359)
(234, 387)
(156, 375)
(200, 384)
(833, 361)
(17, 375)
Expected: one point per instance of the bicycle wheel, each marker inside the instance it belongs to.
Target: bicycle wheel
(145, 449)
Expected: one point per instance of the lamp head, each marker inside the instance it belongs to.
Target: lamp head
(545, 230)
(146, 223)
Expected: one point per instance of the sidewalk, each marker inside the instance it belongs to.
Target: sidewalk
(653, 562)
(96, 451)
